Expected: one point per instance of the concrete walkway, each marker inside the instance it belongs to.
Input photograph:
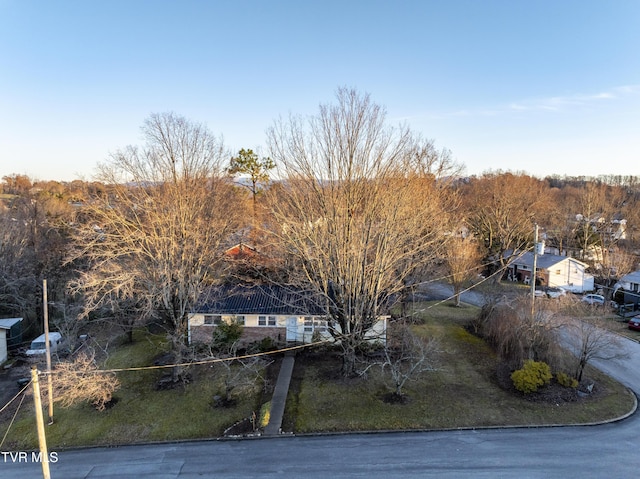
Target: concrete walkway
(279, 398)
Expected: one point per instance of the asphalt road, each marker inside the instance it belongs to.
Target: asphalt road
(598, 451)
(571, 452)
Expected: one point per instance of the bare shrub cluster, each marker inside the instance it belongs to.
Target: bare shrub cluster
(80, 380)
(518, 334)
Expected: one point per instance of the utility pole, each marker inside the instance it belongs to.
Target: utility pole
(533, 271)
(45, 308)
(42, 439)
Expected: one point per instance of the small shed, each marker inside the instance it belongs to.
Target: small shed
(3, 345)
(13, 328)
(10, 336)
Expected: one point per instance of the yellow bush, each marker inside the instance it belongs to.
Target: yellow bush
(567, 381)
(265, 414)
(532, 376)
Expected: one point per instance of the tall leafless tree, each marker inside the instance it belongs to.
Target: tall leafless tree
(155, 237)
(359, 211)
(503, 208)
(34, 222)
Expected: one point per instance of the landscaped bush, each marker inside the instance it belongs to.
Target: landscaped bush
(515, 334)
(265, 415)
(567, 381)
(227, 334)
(262, 346)
(532, 376)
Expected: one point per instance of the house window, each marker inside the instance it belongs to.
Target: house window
(212, 319)
(266, 320)
(240, 320)
(311, 325)
(634, 287)
(558, 271)
(308, 324)
(320, 325)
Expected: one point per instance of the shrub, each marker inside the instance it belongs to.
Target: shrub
(567, 381)
(267, 344)
(532, 376)
(226, 334)
(265, 415)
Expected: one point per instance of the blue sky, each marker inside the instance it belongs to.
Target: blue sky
(546, 87)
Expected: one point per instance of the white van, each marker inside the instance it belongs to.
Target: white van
(38, 345)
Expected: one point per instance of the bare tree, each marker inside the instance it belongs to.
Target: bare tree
(589, 340)
(33, 238)
(237, 373)
(154, 237)
(407, 356)
(17, 276)
(65, 319)
(519, 334)
(503, 208)
(462, 260)
(80, 380)
(359, 211)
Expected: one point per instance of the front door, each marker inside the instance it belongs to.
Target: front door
(292, 328)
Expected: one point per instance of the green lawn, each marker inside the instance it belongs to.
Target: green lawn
(463, 392)
(141, 413)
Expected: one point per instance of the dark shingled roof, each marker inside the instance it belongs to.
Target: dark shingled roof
(544, 261)
(259, 299)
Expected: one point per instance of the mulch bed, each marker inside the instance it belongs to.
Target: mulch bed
(553, 393)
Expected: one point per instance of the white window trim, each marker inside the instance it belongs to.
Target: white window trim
(212, 319)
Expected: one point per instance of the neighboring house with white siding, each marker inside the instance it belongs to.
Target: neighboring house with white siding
(627, 292)
(552, 270)
(629, 282)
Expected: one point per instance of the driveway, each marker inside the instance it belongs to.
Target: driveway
(440, 291)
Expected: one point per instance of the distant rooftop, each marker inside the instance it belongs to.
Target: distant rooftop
(544, 261)
(9, 322)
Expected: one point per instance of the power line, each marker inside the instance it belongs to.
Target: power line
(204, 361)
(15, 414)
(14, 397)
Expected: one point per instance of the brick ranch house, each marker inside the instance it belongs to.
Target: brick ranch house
(280, 313)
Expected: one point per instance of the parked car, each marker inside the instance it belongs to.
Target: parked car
(550, 292)
(556, 292)
(593, 299)
(538, 293)
(39, 346)
(634, 323)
